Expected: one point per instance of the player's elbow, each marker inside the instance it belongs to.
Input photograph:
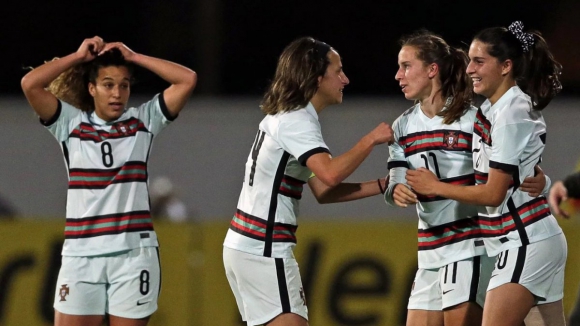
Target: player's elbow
(26, 84)
(494, 200)
(191, 80)
(330, 180)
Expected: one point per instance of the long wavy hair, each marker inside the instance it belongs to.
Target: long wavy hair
(72, 85)
(452, 62)
(296, 78)
(535, 70)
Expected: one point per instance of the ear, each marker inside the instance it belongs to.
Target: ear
(506, 67)
(319, 80)
(92, 89)
(433, 70)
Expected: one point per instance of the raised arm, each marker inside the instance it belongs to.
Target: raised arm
(332, 171)
(182, 79)
(35, 82)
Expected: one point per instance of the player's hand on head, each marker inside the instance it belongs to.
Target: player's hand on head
(125, 51)
(383, 133)
(90, 48)
(403, 196)
(558, 194)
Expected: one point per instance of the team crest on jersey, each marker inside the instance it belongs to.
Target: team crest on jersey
(63, 292)
(302, 296)
(122, 128)
(450, 139)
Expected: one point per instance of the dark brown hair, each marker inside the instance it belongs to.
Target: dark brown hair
(296, 78)
(452, 62)
(72, 85)
(535, 71)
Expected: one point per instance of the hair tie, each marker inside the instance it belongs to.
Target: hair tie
(526, 39)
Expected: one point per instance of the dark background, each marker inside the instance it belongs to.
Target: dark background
(234, 44)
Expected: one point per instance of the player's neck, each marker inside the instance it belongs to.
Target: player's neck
(432, 105)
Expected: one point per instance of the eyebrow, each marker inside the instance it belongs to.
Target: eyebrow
(111, 78)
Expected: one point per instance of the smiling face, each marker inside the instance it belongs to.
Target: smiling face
(331, 85)
(490, 77)
(413, 75)
(111, 91)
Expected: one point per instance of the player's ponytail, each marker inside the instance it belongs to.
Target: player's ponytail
(455, 83)
(534, 68)
(541, 79)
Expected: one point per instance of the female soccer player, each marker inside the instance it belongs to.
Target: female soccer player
(436, 133)
(518, 75)
(287, 150)
(110, 261)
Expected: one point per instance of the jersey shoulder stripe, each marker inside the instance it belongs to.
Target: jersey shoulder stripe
(121, 129)
(448, 140)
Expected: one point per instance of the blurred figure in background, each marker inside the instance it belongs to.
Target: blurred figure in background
(560, 192)
(7, 211)
(165, 202)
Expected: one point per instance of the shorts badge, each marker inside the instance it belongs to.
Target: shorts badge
(63, 292)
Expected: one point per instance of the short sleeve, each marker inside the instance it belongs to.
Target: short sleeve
(65, 119)
(510, 133)
(302, 139)
(154, 114)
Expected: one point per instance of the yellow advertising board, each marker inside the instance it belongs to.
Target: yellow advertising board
(354, 273)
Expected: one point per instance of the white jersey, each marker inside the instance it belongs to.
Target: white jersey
(108, 200)
(447, 233)
(265, 221)
(510, 135)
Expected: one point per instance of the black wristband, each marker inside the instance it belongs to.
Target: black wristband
(380, 186)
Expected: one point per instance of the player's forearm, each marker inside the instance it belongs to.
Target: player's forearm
(482, 195)
(349, 191)
(344, 165)
(42, 76)
(171, 72)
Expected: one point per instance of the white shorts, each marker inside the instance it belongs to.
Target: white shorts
(125, 284)
(450, 285)
(465, 280)
(539, 267)
(264, 287)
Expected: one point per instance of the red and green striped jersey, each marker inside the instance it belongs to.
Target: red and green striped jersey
(265, 221)
(108, 201)
(510, 135)
(447, 230)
